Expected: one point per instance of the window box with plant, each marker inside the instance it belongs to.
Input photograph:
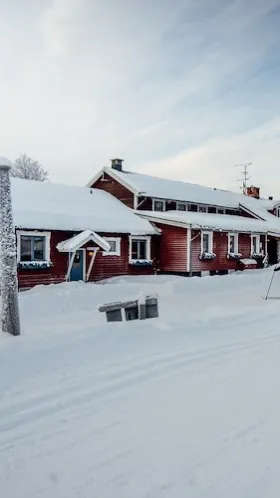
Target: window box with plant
(206, 253)
(233, 252)
(33, 250)
(256, 248)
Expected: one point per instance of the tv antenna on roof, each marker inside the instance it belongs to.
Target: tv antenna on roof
(245, 175)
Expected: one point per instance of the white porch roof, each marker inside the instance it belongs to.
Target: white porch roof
(74, 243)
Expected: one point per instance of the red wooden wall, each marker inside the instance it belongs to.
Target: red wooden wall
(220, 248)
(115, 188)
(104, 266)
(173, 249)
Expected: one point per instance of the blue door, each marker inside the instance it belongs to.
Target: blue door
(77, 270)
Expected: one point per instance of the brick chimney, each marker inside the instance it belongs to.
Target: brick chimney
(253, 192)
(116, 164)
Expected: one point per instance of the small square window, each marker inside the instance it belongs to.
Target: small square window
(159, 205)
(115, 246)
(212, 209)
(181, 206)
(193, 207)
(202, 209)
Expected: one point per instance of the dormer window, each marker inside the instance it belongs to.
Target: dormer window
(159, 205)
(181, 206)
(193, 207)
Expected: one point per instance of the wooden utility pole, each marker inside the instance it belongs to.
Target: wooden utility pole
(10, 321)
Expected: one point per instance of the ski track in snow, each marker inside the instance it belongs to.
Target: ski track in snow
(182, 406)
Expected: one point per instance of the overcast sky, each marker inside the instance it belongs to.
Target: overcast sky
(184, 89)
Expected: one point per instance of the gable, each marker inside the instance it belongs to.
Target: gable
(109, 184)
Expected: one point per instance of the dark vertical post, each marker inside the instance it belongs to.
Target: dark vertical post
(8, 259)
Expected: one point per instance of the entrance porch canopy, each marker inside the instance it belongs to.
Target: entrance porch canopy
(75, 243)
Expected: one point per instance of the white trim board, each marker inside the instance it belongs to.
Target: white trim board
(35, 233)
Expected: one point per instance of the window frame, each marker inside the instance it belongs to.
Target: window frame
(181, 204)
(163, 205)
(202, 209)
(258, 244)
(236, 242)
(117, 252)
(34, 233)
(148, 247)
(210, 234)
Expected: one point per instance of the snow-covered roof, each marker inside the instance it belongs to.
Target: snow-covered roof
(208, 221)
(5, 162)
(162, 188)
(74, 243)
(49, 206)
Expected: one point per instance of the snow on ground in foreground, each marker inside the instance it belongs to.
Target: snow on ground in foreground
(182, 406)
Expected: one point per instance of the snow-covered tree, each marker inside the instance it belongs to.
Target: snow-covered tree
(28, 169)
(8, 260)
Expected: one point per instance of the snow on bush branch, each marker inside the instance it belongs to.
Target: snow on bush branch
(26, 168)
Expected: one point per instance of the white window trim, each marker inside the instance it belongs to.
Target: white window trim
(35, 233)
(206, 232)
(159, 200)
(140, 237)
(117, 252)
(236, 242)
(258, 237)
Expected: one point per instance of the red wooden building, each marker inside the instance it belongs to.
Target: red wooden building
(75, 233)
(203, 230)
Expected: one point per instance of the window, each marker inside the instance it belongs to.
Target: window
(221, 211)
(233, 243)
(212, 209)
(193, 207)
(181, 206)
(255, 244)
(140, 249)
(202, 209)
(158, 205)
(115, 246)
(33, 246)
(206, 242)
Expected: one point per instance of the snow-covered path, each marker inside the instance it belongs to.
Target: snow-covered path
(183, 406)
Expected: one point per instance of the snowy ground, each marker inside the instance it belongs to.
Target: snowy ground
(184, 406)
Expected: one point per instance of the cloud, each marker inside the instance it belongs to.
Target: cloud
(212, 163)
(58, 25)
(152, 82)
